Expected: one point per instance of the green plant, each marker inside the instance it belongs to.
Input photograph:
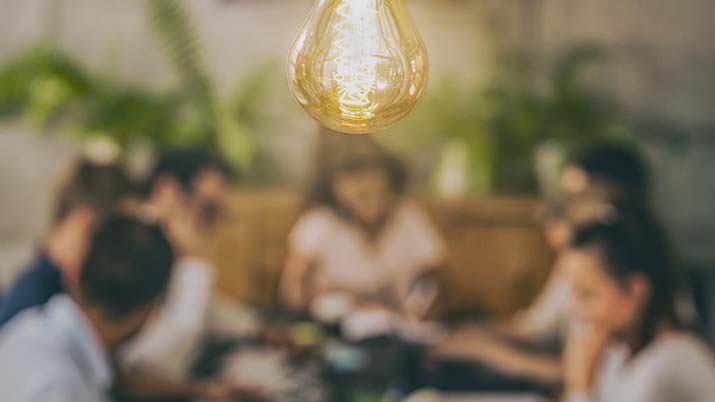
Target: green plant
(45, 87)
(179, 40)
(566, 113)
(501, 124)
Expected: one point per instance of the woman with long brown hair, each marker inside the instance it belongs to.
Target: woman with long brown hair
(360, 235)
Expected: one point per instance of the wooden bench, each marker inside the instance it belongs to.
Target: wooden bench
(497, 258)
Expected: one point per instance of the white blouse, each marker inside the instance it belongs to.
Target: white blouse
(673, 369)
(348, 260)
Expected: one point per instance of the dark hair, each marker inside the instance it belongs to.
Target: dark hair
(185, 165)
(622, 168)
(91, 185)
(127, 266)
(354, 155)
(631, 241)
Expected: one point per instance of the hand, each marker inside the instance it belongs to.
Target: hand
(478, 345)
(186, 233)
(296, 289)
(584, 350)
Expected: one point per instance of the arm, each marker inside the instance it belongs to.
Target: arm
(169, 338)
(305, 242)
(294, 285)
(422, 295)
(583, 356)
(544, 314)
(484, 349)
(425, 250)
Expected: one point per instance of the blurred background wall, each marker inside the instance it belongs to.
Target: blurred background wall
(661, 67)
(658, 69)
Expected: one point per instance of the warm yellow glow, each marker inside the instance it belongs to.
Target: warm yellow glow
(356, 45)
(358, 66)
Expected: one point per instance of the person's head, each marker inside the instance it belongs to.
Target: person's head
(85, 196)
(362, 183)
(194, 180)
(617, 171)
(561, 216)
(622, 274)
(124, 275)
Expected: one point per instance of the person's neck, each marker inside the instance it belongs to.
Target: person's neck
(375, 228)
(108, 337)
(634, 336)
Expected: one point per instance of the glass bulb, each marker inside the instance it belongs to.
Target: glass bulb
(358, 66)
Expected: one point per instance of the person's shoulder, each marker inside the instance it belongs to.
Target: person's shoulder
(681, 344)
(407, 208)
(318, 213)
(26, 333)
(35, 286)
(681, 353)
(311, 229)
(410, 205)
(33, 366)
(412, 214)
(318, 219)
(684, 365)
(56, 383)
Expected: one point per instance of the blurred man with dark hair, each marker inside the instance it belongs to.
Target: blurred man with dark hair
(62, 352)
(88, 193)
(185, 192)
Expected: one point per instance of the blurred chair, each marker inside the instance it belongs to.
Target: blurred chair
(497, 258)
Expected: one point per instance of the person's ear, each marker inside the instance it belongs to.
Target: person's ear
(639, 287)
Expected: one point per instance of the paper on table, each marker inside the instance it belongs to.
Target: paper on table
(493, 398)
(367, 323)
(436, 396)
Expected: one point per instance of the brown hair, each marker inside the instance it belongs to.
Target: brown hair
(97, 186)
(351, 155)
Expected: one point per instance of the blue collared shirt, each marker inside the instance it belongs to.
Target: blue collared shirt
(51, 354)
(38, 283)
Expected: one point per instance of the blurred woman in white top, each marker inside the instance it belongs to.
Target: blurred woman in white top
(360, 235)
(628, 344)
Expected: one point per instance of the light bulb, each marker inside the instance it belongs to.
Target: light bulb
(358, 66)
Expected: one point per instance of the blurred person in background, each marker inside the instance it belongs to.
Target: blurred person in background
(628, 343)
(63, 351)
(524, 351)
(617, 171)
(90, 190)
(361, 236)
(591, 183)
(185, 193)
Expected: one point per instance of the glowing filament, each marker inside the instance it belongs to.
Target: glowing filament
(357, 43)
(357, 66)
